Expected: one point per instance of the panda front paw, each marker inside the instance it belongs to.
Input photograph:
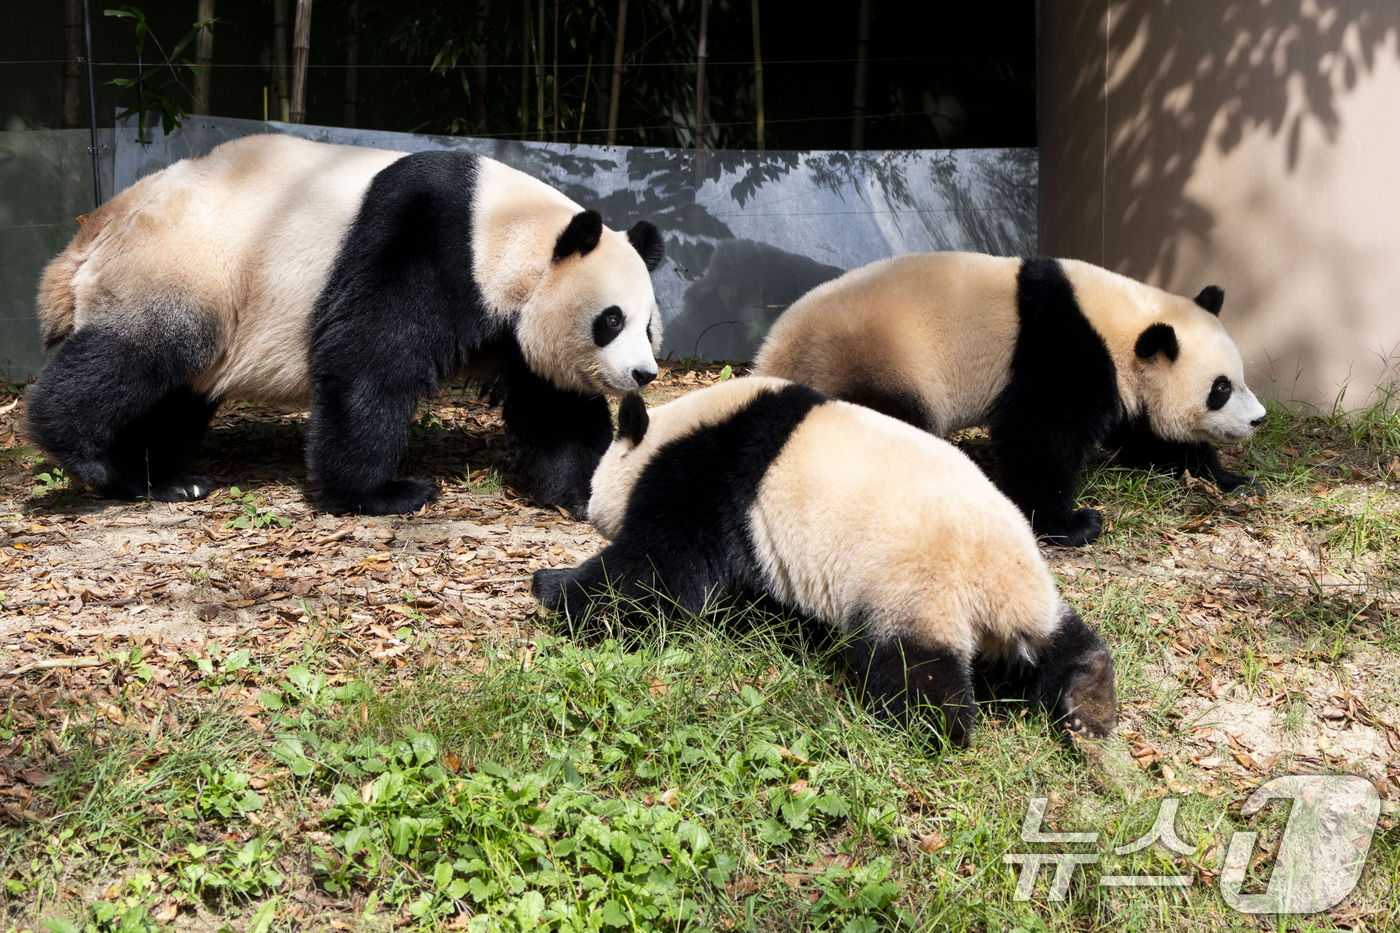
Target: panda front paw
(397, 497)
(1084, 525)
(562, 591)
(1239, 486)
(550, 587)
(183, 489)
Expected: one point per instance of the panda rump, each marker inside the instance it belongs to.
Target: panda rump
(280, 270)
(855, 520)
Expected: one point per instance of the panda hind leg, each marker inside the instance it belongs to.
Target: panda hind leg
(906, 681)
(113, 405)
(1071, 679)
(152, 456)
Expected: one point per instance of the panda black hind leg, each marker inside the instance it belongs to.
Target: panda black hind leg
(905, 681)
(153, 455)
(114, 408)
(1069, 675)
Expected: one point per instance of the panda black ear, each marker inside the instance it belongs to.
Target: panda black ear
(580, 236)
(1211, 298)
(646, 240)
(632, 418)
(1159, 338)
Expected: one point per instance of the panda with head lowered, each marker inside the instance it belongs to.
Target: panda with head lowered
(280, 270)
(1054, 356)
(765, 488)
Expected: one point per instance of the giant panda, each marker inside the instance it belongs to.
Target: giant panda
(855, 520)
(276, 269)
(1055, 356)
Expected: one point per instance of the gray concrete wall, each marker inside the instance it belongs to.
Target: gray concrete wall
(1252, 144)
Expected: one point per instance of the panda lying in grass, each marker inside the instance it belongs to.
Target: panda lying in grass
(1055, 356)
(281, 270)
(861, 522)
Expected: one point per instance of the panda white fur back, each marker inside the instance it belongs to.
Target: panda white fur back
(282, 270)
(852, 518)
(249, 232)
(1053, 354)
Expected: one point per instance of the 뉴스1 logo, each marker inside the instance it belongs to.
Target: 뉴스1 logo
(1319, 860)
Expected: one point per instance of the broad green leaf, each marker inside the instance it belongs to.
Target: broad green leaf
(261, 921)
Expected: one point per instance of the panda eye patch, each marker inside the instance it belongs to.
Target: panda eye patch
(1219, 393)
(607, 325)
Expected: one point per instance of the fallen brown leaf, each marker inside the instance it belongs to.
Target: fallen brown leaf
(932, 842)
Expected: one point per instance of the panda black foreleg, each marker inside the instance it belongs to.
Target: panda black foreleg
(905, 681)
(621, 582)
(556, 437)
(113, 407)
(359, 426)
(1040, 473)
(1139, 447)
(1207, 463)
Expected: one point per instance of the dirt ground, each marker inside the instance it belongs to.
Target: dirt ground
(1230, 695)
(80, 574)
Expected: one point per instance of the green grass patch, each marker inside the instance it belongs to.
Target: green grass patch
(701, 781)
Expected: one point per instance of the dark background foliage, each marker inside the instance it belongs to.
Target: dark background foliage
(940, 74)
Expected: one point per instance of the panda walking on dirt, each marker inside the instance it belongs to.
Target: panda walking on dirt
(285, 271)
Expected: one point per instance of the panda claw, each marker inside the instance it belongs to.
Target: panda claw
(1248, 488)
(185, 489)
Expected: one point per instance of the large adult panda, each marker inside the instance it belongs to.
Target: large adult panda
(281, 270)
(1055, 356)
(852, 518)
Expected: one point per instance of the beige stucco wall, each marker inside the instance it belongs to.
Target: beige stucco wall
(1251, 144)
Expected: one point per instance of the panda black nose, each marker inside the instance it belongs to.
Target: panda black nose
(1258, 421)
(642, 377)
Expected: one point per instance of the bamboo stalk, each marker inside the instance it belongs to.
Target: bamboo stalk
(483, 13)
(556, 71)
(204, 58)
(617, 72)
(525, 71)
(92, 109)
(758, 73)
(55, 664)
(862, 72)
(583, 103)
(539, 77)
(281, 92)
(301, 52)
(701, 54)
(352, 67)
(72, 44)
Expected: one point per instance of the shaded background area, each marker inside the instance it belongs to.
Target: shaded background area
(1249, 144)
(939, 75)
